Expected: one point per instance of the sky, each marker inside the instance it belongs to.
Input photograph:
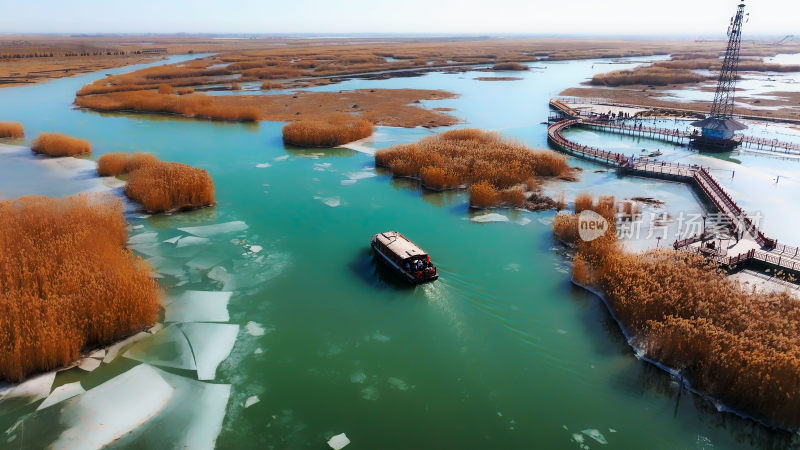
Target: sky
(464, 17)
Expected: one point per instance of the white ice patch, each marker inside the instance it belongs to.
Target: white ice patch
(513, 267)
(398, 384)
(106, 413)
(360, 175)
(221, 275)
(491, 217)
(99, 354)
(358, 377)
(205, 262)
(143, 238)
(348, 182)
(169, 347)
(173, 240)
(281, 158)
(62, 393)
(333, 202)
(35, 388)
(322, 167)
(523, 221)
(263, 165)
(192, 240)
(255, 248)
(338, 442)
(258, 351)
(220, 228)
(596, 435)
(211, 344)
(114, 350)
(254, 329)
(89, 364)
(199, 306)
(377, 336)
(252, 400)
(370, 393)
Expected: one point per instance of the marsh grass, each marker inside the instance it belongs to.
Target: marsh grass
(465, 157)
(739, 346)
(647, 75)
(510, 66)
(189, 105)
(167, 186)
(326, 133)
(11, 130)
(57, 144)
(67, 282)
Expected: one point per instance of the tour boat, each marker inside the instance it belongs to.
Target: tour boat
(404, 257)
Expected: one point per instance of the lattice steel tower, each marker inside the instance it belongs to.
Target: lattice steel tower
(718, 127)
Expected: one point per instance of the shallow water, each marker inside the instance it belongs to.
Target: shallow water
(501, 352)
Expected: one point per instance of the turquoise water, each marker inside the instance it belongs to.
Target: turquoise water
(501, 352)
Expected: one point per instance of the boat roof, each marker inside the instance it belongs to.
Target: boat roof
(713, 123)
(399, 244)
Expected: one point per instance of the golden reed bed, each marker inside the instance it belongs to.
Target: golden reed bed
(157, 185)
(68, 284)
(738, 346)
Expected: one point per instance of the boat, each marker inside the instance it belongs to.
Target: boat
(404, 257)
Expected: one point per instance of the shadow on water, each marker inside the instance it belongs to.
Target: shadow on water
(372, 271)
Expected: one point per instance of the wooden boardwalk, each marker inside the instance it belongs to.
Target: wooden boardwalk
(770, 253)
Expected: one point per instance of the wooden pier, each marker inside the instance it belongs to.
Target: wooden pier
(769, 253)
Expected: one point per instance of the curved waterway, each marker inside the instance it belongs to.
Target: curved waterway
(502, 352)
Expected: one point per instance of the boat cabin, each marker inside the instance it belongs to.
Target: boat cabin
(405, 257)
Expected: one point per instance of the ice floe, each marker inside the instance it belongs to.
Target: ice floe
(523, 221)
(338, 442)
(254, 329)
(398, 384)
(281, 158)
(100, 354)
(205, 261)
(143, 238)
(62, 393)
(211, 344)
(89, 364)
(220, 228)
(221, 275)
(333, 202)
(370, 393)
(35, 388)
(169, 347)
(358, 377)
(199, 306)
(173, 240)
(115, 408)
(252, 400)
(595, 434)
(192, 240)
(255, 248)
(491, 217)
(263, 165)
(348, 182)
(360, 175)
(114, 350)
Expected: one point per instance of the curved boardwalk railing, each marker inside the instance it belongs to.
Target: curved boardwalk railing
(780, 256)
(562, 105)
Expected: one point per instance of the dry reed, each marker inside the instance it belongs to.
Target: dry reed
(11, 130)
(647, 75)
(739, 346)
(465, 157)
(191, 105)
(68, 282)
(167, 186)
(113, 164)
(511, 66)
(57, 144)
(326, 133)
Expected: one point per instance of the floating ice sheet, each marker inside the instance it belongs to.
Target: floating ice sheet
(211, 344)
(115, 408)
(168, 348)
(263, 165)
(89, 364)
(255, 248)
(199, 306)
(99, 354)
(205, 261)
(491, 217)
(398, 384)
(360, 175)
(338, 442)
(35, 388)
(220, 228)
(333, 202)
(173, 240)
(254, 329)
(281, 158)
(523, 221)
(114, 350)
(143, 238)
(348, 182)
(192, 240)
(596, 435)
(252, 400)
(62, 393)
